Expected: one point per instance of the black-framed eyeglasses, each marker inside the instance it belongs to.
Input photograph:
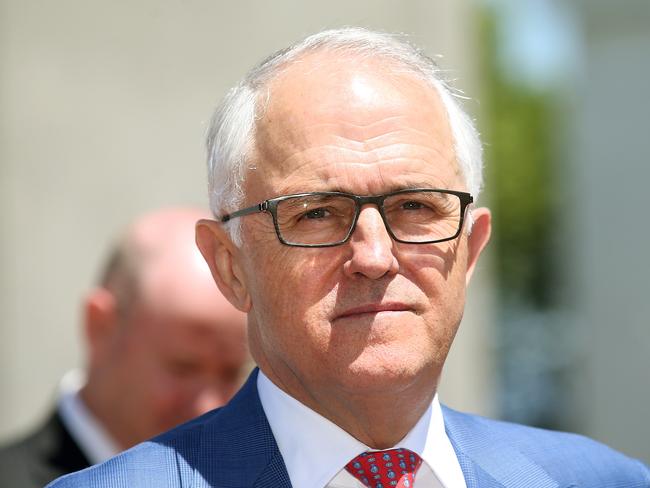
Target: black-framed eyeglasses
(325, 219)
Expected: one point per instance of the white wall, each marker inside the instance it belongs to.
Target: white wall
(608, 265)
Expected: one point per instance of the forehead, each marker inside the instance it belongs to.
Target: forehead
(350, 125)
(177, 296)
(174, 329)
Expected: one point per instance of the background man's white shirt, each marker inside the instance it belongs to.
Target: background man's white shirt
(89, 434)
(315, 450)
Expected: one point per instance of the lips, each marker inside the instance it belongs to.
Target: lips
(373, 309)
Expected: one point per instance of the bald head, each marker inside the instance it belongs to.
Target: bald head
(163, 344)
(156, 262)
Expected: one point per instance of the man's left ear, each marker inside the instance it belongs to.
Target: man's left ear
(478, 238)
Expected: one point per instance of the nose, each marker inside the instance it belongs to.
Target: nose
(372, 249)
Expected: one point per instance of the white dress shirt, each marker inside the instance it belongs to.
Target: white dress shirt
(315, 450)
(90, 435)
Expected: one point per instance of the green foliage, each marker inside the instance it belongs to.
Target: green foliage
(516, 123)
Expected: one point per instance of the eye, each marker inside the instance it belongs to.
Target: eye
(182, 368)
(412, 205)
(316, 213)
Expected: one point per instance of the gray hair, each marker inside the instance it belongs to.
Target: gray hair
(232, 129)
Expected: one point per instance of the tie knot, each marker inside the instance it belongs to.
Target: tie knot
(393, 468)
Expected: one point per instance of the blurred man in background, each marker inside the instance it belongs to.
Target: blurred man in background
(163, 346)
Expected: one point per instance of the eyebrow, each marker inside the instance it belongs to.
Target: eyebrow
(340, 189)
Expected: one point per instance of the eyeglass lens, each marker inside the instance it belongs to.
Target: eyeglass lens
(327, 219)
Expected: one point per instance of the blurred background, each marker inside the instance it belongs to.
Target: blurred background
(103, 106)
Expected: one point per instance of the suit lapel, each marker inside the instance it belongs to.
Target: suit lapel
(237, 447)
(274, 475)
(487, 456)
(475, 475)
(55, 453)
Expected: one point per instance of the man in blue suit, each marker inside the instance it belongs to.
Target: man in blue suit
(344, 176)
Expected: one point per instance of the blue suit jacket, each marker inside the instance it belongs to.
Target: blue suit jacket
(233, 447)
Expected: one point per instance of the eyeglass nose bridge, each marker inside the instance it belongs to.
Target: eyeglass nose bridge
(360, 202)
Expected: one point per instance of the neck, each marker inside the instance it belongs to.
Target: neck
(98, 403)
(381, 421)
(378, 420)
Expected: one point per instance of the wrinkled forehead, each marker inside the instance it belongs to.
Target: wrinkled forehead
(327, 104)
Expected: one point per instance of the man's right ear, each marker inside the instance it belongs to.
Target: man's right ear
(101, 324)
(222, 257)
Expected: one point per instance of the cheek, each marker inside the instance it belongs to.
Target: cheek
(446, 310)
(289, 282)
(430, 264)
(439, 273)
(293, 292)
(160, 390)
(171, 402)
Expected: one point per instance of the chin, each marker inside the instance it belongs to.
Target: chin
(385, 373)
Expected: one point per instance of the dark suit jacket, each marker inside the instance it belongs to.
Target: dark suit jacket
(233, 447)
(40, 457)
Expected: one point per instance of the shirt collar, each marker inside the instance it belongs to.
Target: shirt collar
(301, 434)
(89, 434)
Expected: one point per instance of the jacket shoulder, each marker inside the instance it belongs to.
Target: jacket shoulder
(42, 455)
(14, 462)
(566, 457)
(165, 460)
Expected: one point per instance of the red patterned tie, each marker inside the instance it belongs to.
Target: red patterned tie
(394, 468)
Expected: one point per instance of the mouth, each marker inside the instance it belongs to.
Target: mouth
(373, 309)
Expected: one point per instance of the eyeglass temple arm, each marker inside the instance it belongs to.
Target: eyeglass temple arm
(260, 207)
